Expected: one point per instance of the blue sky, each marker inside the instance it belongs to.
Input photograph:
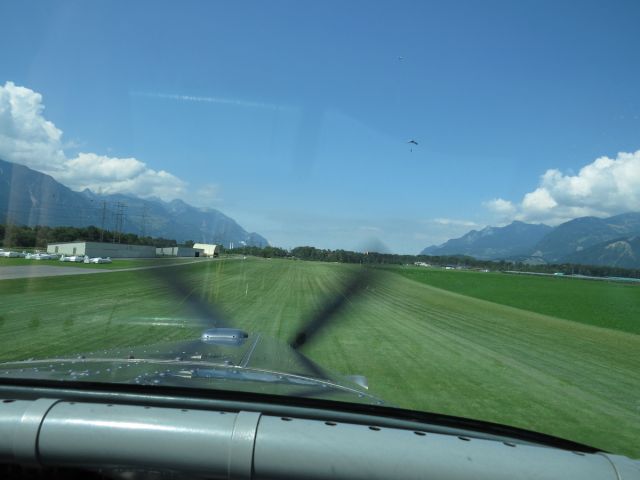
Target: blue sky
(292, 117)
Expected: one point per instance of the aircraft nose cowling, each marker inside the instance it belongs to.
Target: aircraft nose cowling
(224, 336)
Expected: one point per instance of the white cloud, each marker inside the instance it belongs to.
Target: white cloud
(26, 137)
(100, 168)
(501, 207)
(607, 186)
(370, 228)
(236, 102)
(119, 175)
(454, 222)
(538, 201)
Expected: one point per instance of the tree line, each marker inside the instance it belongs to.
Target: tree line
(18, 236)
(456, 261)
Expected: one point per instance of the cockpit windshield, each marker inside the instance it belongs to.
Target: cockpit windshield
(426, 205)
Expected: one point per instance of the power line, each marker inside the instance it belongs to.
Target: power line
(104, 214)
(144, 220)
(123, 218)
(118, 221)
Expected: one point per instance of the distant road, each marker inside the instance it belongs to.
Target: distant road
(577, 276)
(29, 271)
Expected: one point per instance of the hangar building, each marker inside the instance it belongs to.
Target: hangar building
(209, 249)
(179, 252)
(102, 249)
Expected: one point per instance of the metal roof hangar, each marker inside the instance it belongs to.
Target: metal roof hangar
(209, 249)
(102, 249)
(179, 252)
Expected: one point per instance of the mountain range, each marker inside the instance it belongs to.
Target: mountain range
(29, 197)
(490, 243)
(612, 241)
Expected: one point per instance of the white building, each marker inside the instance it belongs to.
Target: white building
(102, 249)
(422, 264)
(209, 249)
(179, 252)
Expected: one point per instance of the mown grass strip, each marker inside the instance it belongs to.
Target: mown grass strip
(421, 347)
(605, 304)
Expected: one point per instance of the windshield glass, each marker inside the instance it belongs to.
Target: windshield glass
(427, 205)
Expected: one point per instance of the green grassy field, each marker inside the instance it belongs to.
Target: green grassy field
(421, 347)
(605, 304)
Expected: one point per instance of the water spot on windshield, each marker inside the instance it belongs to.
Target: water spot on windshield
(68, 323)
(34, 323)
